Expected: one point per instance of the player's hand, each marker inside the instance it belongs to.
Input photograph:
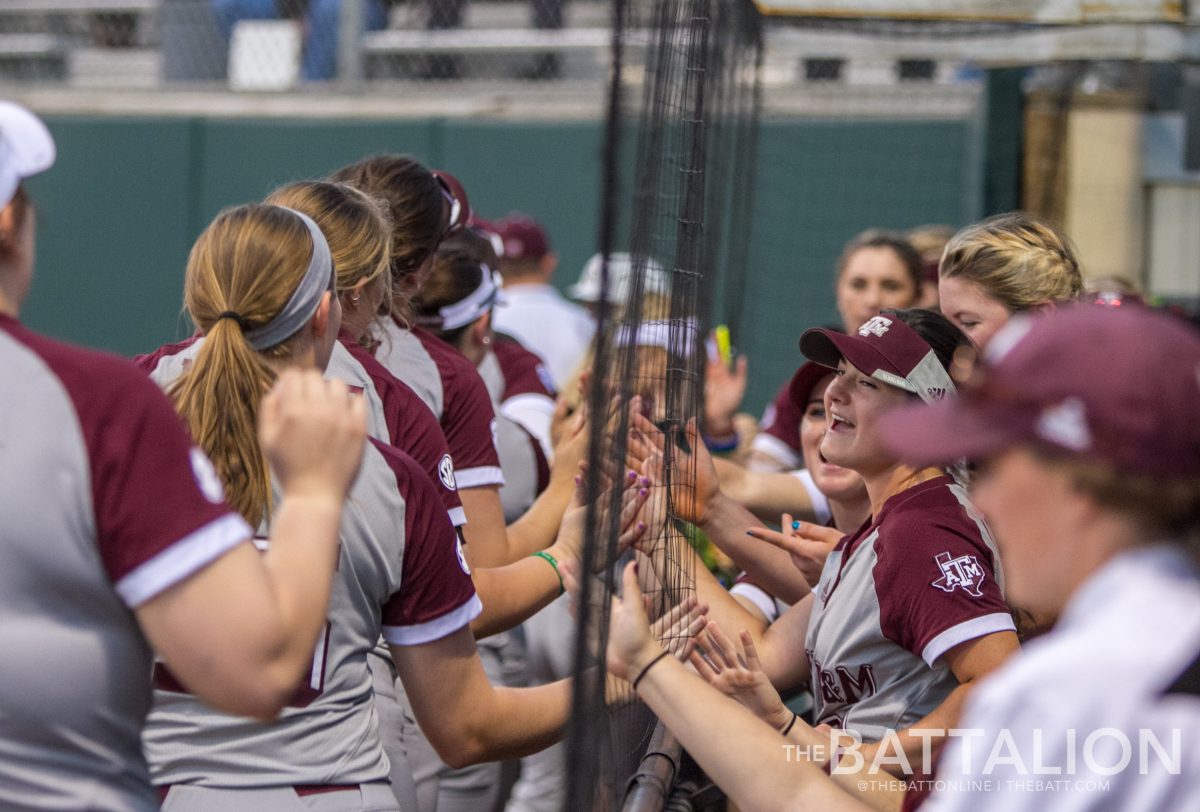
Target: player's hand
(808, 544)
(724, 388)
(570, 442)
(631, 645)
(695, 483)
(312, 432)
(675, 631)
(635, 491)
(739, 674)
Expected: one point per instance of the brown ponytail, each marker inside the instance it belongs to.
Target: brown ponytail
(241, 272)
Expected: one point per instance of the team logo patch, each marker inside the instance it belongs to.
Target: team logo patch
(960, 572)
(446, 473)
(877, 326)
(462, 555)
(206, 476)
(1066, 424)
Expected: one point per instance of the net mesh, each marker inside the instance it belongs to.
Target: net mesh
(688, 132)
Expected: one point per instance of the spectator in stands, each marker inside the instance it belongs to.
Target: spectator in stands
(321, 20)
(535, 313)
(446, 14)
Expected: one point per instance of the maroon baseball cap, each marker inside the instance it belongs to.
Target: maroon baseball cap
(1119, 385)
(886, 349)
(807, 377)
(523, 237)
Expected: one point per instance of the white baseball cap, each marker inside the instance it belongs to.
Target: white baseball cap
(26, 148)
(620, 269)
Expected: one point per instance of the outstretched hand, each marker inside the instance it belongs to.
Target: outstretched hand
(696, 485)
(634, 494)
(808, 545)
(739, 674)
(724, 388)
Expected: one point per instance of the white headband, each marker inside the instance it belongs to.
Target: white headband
(468, 309)
(674, 335)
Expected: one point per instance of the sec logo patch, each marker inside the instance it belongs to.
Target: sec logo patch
(446, 473)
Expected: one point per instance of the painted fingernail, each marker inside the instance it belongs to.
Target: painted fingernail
(635, 568)
(750, 533)
(641, 525)
(578, 479)
(645, 482)
(632, 475)
(795, 525)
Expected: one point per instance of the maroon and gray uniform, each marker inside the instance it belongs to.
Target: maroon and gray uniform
(400, 571)
(404, 420)
(105, 504)
(516, 381)
(911, 584)
(395, 415)
(451, 387)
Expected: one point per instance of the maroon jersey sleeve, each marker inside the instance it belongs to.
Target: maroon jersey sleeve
(935, 577)
(524, 372)
(159, 506)
(413, 429)
(148, 362)
(782, 419)
(468, 419)
(436, 596)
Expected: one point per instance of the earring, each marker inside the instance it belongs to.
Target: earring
(487, 341)
(354, 299)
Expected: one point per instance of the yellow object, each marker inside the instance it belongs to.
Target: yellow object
(724, 346)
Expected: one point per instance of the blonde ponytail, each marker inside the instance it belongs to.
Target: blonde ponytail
(241, 272)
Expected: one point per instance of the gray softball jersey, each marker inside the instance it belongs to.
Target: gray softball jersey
(911, 584)
(105, 504)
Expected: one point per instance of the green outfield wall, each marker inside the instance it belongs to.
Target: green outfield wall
(128, 196)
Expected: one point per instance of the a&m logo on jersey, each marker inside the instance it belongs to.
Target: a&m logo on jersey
(446, 473)
(961, 572)
(877, 326)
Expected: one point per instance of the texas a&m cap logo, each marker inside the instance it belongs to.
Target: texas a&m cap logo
(960, 572)
(876, 326)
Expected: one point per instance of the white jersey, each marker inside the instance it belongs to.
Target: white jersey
(105, 503)
(1114, 682)
(559, 331)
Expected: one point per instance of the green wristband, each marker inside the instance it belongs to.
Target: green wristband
(545, 555)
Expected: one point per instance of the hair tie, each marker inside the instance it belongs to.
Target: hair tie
(229, 314)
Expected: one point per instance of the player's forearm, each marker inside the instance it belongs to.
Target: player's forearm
(722, 607)
(538, 526)
(512, 594)
(515, 722)
(771, 568)
(745, 757)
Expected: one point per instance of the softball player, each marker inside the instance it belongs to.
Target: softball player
(413, 586)
(117, 535)
(1084, 422)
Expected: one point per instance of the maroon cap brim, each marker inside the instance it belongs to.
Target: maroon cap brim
(827, 347)
(940, 433)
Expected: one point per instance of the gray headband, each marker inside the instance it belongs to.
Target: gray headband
(307, 296)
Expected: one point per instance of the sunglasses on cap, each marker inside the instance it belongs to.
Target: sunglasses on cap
(455, 197)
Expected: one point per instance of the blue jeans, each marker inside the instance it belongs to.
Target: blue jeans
(319, 61)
